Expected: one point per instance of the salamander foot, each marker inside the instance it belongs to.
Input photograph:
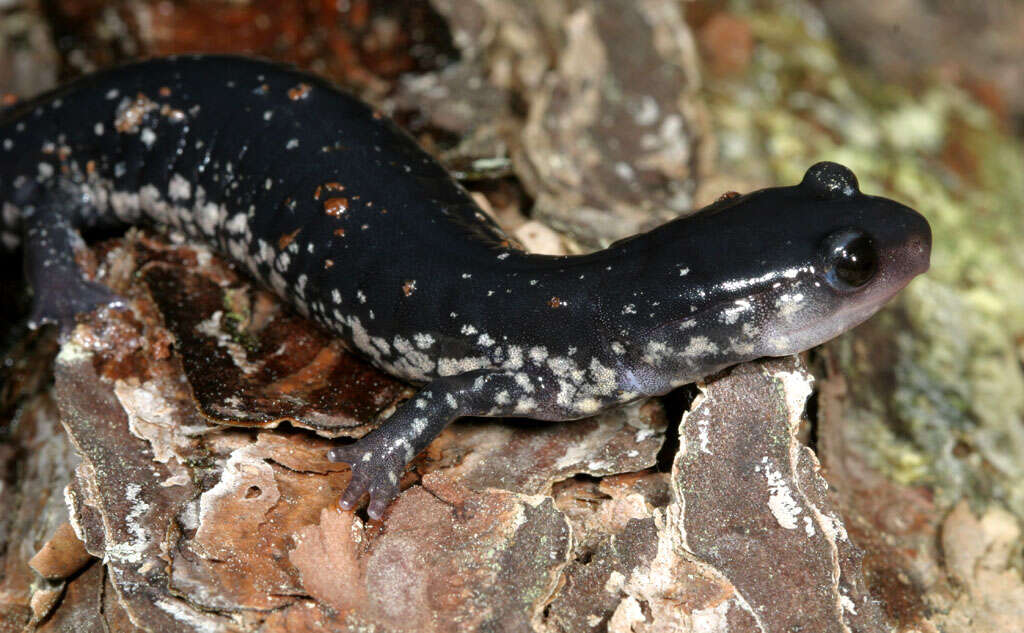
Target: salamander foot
(379, 459)
(375, 470)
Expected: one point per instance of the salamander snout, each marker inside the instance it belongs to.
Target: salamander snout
(918, 249)
(904, 241)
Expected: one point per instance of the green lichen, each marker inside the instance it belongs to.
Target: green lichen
(237, 315)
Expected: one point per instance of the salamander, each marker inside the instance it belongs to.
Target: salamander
(339, 212)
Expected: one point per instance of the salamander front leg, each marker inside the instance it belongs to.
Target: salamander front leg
(379, 459)
(60, 291)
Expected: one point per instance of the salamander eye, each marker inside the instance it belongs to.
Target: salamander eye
(849, 259)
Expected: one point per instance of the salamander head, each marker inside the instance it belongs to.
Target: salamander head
(845, 256)
(776, 272)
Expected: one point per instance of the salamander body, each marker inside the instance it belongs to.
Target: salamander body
(340, 213)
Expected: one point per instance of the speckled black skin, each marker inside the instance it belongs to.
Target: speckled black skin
(343, 215)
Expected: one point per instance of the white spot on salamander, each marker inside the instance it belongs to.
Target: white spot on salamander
(210, 216)
(423, 341)
(526, 405)
(514, 360)
(538, 354)
(700, 346)
(385, 349)
(523, 382)
(452, 366)
(180, 188)
(731, 315)
(655, 352)
(237, 224)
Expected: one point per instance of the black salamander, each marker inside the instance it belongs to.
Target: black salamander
(341, 213)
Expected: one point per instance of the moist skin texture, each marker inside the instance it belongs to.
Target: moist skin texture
(338, 211)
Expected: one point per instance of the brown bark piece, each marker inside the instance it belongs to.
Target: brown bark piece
(35, 467)
(245, 525)
(754, 505)
(327, 555)
(123, 484)
(250, 361)
(81, 607)
(614, 135)
(62, 555)
(488, 562)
